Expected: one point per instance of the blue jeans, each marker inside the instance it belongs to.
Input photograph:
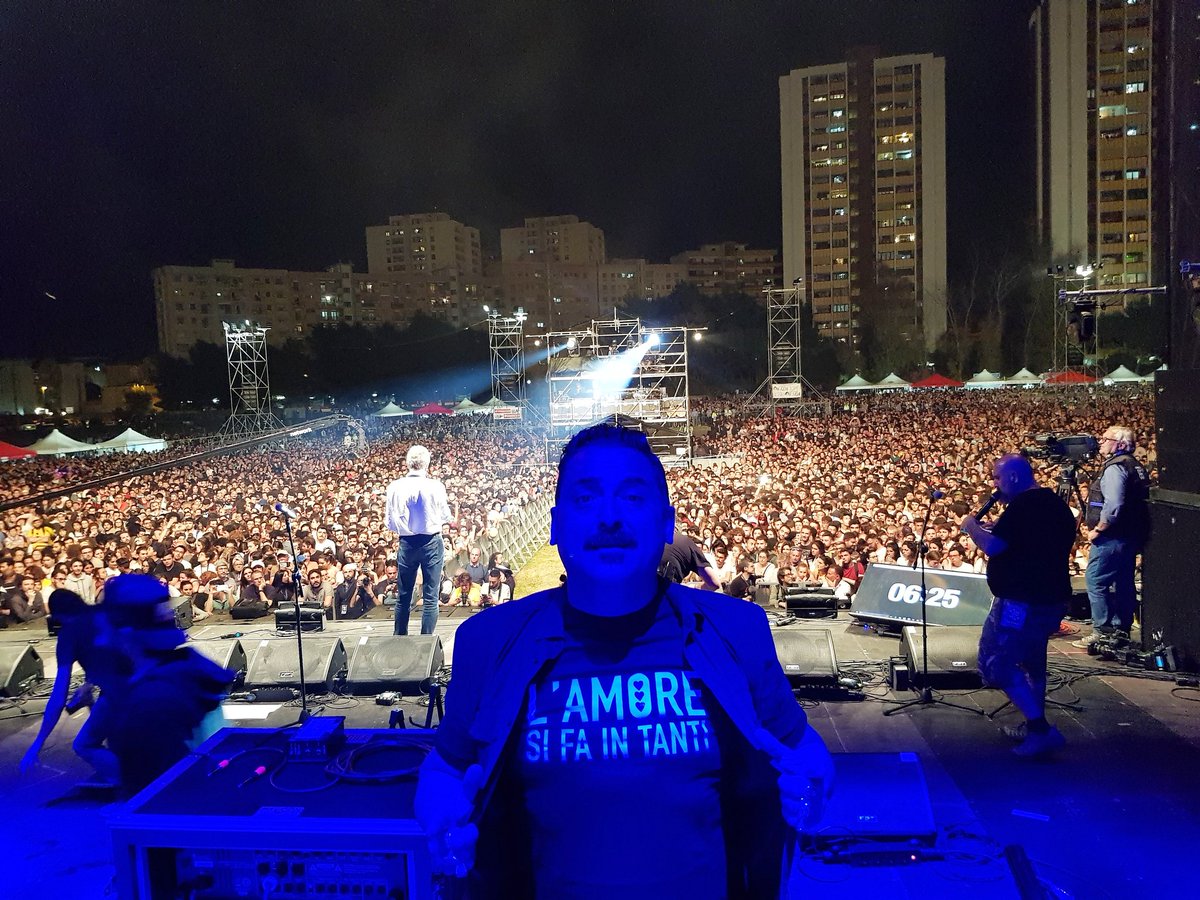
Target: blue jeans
(1110, 584)
(424, 552)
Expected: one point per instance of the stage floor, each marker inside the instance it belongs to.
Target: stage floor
(1115, 814)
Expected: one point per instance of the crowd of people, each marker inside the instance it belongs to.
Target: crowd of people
(816, 500)
(771, 500)
(209, 529)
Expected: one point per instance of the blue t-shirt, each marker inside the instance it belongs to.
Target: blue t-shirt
(618, 759)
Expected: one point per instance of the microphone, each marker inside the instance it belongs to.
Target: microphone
(285, 510)
(986, 508)
(935, 494)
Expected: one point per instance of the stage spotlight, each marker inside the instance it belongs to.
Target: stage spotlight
(652, 339)
(697, 336)
(572, 343)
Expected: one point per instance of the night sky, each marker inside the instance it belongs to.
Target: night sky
(138, 134)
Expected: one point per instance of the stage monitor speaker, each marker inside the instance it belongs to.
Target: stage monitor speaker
(393, 662)
(1169, 578)
(807, 657)
(228, 654)
(810, 602)
(312, 618)
(184, 612)
(953, 656)
(275, 661)
(20, 669)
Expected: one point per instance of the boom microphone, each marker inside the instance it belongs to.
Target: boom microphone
(286, 510)
(935, 494)
(987, 507)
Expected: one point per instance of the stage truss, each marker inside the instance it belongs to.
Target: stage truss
(506, 340)
(785, 388)
(1089, 302)
(654, 399)
(249, 380)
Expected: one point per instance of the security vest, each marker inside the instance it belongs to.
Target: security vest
(1134, 519)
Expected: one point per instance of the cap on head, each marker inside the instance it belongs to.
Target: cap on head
(142, 603)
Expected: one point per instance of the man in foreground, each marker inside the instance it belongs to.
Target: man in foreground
(173, 693)
(621, 735)
(1029, 550)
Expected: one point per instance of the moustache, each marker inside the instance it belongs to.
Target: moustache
(608, 541)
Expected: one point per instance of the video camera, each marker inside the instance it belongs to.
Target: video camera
(1063, 448)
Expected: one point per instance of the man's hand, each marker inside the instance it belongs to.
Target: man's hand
(30, 759)
(805, 776)
(443, 805)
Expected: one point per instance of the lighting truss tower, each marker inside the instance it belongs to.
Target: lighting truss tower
(506, 339)
(249, 381)
(654, 395)
(785, 386)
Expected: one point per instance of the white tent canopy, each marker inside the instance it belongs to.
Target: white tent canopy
(985, 379)
(465, 407)
(892, 380)
(856, 383)
(56, 443)
(1023, 377)
(391, 410)
(1121, 374)
(130, 441)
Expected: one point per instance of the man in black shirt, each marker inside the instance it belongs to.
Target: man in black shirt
(682, 557)
(1029, 550)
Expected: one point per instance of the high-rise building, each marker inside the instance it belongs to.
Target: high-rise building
(1095, 121)
(424, 243)
(193, 301)
(553, 239)
(730, 268)
(863, 147)
(553, 267)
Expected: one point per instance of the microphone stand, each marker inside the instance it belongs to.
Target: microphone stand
(305, 712)
(926, 698)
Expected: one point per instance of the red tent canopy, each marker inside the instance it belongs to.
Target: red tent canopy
(433, 409)
(12, 451)
(935, 381)
(1069, 377)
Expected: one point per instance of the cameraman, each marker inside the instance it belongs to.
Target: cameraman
(386, 590)
(352, 599)
(1118, 520)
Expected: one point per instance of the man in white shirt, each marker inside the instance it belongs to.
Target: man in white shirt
(417, 508)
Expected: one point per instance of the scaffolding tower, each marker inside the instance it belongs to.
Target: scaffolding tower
(587, 383)
(506, 340)
(785, 387)
(249, 381)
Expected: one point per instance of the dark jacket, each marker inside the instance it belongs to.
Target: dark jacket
(498, 654)
(155, 714)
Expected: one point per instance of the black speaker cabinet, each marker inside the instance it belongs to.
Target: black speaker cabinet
(276, 661)
(1169, 577)
(20, 669)
(392, 662)
(228, 654)
(1177, 420)
(807, 656)
(953, 656)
